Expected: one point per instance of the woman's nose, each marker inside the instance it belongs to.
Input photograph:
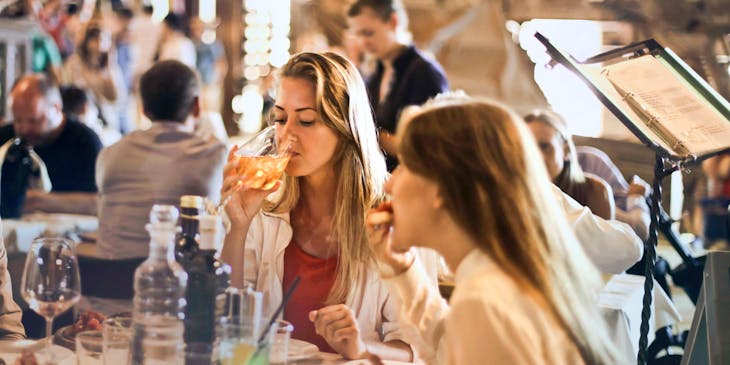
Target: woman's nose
(288, 132)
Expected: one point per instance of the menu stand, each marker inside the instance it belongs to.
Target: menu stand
(672, 154)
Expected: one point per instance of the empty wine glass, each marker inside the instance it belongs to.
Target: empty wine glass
(261, 161)
(51, 283)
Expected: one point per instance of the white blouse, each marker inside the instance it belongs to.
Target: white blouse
(268, 237)
(490, 320)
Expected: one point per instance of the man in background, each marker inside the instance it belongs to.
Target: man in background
(157, 165)
(67, 148)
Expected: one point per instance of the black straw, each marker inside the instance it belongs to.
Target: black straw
(284, 301)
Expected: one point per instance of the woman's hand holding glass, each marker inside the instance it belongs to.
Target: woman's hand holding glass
(253, 171)
(241, 202)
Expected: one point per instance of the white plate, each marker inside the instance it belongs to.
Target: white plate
(10, 350)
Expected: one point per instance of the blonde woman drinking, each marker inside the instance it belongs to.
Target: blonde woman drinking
(315, 226)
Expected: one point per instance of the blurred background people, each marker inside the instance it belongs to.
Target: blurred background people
(94, 67)
(629, 199)
(558, 152)
(176, 162)
(174, 43)
(79, 106)
(68, 148)
(404, 76)
(210, 61)
(145, 38)
(714, 208)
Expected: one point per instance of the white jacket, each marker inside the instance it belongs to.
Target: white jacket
(268, 237)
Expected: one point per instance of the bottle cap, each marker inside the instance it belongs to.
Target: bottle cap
(191, 201)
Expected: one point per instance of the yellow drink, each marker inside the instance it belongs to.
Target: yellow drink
(262, 172)
(242, 352)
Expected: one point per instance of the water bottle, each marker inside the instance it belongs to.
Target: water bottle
(159, 296)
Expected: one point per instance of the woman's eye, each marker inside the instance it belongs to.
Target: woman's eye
(279, 120)
(306, 123)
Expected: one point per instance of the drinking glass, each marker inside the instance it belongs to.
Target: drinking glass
(89, 348)
(261, 161)
(239, 343)
(51, 283)
(117, 333)
(280, 342)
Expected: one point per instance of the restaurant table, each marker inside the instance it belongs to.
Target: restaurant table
(620, 302)
(18, 234)
(325, 358)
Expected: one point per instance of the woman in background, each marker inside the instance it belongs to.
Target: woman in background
(94, 68)
(471, 186)
(561, 161)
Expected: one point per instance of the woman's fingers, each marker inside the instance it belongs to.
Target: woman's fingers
(345, 333)
(232, 153)
(329, 319)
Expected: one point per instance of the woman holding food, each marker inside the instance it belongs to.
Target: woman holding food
(472, 186)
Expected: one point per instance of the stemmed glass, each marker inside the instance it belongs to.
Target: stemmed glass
(51, 283)
(261, 162)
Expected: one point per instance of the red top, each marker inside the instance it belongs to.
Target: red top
(317, 277)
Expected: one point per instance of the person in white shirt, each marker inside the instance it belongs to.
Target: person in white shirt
(611, 245)
(174, 44)
(314, 227)
(471, 185)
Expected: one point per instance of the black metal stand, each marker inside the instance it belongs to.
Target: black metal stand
(667, 161)
(660, 172)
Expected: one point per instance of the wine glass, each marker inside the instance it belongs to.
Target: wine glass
(261, 161)
(51, 283)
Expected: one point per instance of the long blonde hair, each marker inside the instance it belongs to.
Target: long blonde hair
(342, 105)
(495, 186)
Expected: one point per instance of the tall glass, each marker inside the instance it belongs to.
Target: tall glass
(261, 161)
(117, 335)
(51, 283)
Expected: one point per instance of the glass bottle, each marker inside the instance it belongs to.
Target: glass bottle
(187, 243)
(159, 296)
(18, 174)
(208, 279)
